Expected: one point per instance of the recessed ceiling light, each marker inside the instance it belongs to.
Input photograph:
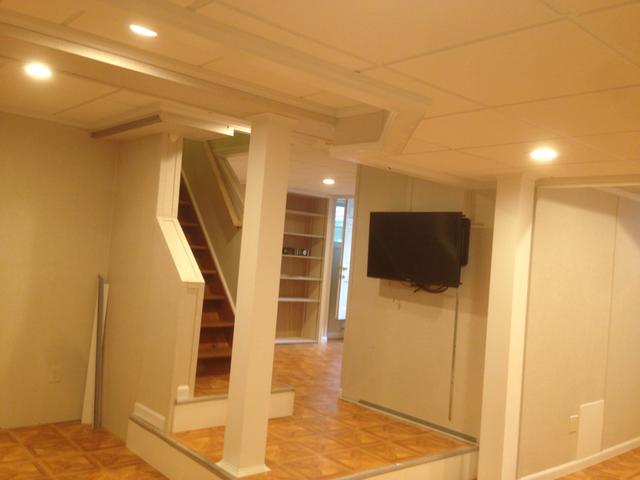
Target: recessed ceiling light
(328, 181)
(38, 70)
(142, 31)
(543, 154)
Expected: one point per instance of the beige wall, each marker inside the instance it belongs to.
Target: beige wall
(155, 296)
(224, 236)
(582, 332)
(398, 344)
(56, 190)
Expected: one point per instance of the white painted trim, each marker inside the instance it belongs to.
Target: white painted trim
(150, 416)
(166, 457)
(212, 412)
(242, 472)
(577, 465)
(620, 192)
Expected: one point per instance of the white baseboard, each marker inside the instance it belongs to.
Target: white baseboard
(581, 464)
(150, 416)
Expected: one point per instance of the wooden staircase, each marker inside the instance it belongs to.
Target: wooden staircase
(216, 328)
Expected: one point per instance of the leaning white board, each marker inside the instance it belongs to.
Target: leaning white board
(590, 428)
(90, 384)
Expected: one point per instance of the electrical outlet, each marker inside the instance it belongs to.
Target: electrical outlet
(573, 423)
(55, 374)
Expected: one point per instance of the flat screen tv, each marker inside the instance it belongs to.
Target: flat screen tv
(426, 249)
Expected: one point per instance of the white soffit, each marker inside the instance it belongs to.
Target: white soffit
(549, 61)
(253, 70)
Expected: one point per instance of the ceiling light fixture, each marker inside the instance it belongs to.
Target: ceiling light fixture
(543, 154)
(328, 181)
(38, 71)
(142, 31)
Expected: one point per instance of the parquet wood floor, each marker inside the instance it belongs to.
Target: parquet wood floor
(326, 437)
(622, 467)
(68, 451)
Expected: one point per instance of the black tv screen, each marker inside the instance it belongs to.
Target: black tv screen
(423, 248)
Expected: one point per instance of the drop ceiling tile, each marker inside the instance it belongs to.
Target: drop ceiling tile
(416, 145)
(617, 27)
(253, 70)
(580, 6)
(438, 102)
(603, 112)
(625, 145)
(547, 61)
(105, 107)
(388, 31)
(451, 162)
(55, 12)
(478, 128)
(332, 100)
(569, 151)
(170, 42)
(247, 22)
(47, 97)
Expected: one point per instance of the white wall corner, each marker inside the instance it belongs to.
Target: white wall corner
(150, 416)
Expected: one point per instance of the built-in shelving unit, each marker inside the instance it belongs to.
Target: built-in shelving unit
(301, 279)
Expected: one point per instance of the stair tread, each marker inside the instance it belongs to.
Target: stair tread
(218, 324)
(208, 271)
(214, 296)
(199, 247)
(210, 350)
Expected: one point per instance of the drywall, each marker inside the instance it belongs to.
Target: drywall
(56, 190)
(582, 331)
(622, 388)
(399, 344)
(224, 236)
(155, 296)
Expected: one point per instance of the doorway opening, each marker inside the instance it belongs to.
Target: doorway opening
(340, 267)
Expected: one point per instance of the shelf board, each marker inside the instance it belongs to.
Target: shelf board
(302, 213)
(298, 300)
(300, 277)
(286, 340)
(301, 256)
(305, 235)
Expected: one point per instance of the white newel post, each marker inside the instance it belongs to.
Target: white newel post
(257, 300)
(506, 328)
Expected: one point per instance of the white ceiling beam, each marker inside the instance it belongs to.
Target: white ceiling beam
(591, 182)
(620, 192)
(319, 72)
(89, 46)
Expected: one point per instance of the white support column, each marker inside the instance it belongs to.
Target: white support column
(257, 301)
(504, 358)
